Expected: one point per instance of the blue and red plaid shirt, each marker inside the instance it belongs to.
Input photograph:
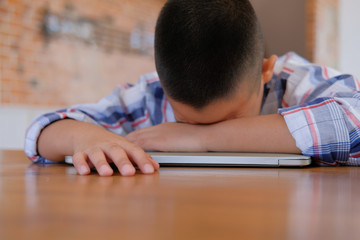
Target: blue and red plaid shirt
(321, 108)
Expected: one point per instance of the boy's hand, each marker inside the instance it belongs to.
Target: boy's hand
(170, 137)
(93, 146)
(106, 147)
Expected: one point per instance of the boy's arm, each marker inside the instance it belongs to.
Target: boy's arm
(327, 129)
(126, 109)
(267, 133)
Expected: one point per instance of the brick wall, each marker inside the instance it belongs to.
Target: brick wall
(59, 53)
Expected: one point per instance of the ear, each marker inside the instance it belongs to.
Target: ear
(268, 68)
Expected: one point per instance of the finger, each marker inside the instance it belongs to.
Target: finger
(80, 163)
(121, 160)
(141, 140)
(142, 159)
(149, 158)
(98, 158)
(154, 163)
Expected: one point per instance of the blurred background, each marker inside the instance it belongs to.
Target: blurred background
(56, 53)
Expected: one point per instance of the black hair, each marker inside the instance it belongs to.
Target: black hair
(205, 48)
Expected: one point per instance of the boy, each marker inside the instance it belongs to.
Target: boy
(222, 93)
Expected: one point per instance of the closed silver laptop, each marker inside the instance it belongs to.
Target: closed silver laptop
(227, 159)
(230, 159)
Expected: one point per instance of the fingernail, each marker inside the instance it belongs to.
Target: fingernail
(148, 168)
(83, 170)
(127, 170)
(105, 170)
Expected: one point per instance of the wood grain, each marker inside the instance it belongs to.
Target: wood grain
(53, 202)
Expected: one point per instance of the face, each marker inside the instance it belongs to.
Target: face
(242, 104)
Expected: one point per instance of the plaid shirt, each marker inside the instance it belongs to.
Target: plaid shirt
(321, 108)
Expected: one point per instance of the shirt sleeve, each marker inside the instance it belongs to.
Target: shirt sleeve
(126, 109)
(327, 128)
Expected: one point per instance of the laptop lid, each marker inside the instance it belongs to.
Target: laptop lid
(226, 159)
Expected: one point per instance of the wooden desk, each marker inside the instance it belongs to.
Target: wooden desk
(53, 202)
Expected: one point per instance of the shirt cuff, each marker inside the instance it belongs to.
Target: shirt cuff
(320, 130)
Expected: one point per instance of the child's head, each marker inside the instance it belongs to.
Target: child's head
(206, 52)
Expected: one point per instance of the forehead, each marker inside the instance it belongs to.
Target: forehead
(239, 105)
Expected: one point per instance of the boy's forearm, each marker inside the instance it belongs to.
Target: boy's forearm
(57, 139)
(268, 133)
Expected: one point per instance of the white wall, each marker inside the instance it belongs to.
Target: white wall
(14, 121)
(349, 27)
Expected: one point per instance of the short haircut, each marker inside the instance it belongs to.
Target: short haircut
(204, 49)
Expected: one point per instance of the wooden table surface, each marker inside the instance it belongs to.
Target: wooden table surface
(53, 202)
